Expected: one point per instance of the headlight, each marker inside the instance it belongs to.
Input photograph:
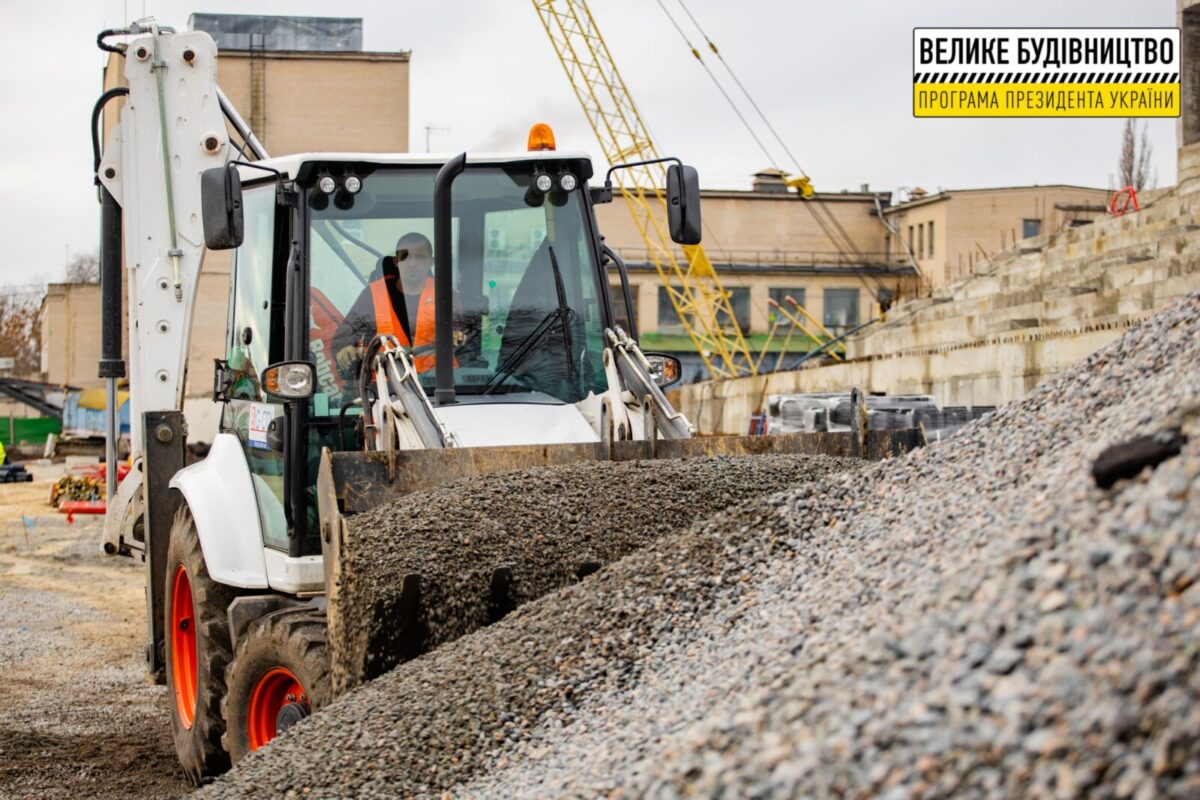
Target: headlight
(327, 184)
(291, 380)
(544, 183)
(352, 184)
(568, 182)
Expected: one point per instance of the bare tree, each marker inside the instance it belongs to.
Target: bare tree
(1134, 168)
(83, 268)
(20, 333)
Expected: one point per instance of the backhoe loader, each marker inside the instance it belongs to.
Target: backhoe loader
(511, 361)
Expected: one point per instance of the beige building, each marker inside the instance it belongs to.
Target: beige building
(828, 253)
(363, 99)
(957, 233)
(363, 96)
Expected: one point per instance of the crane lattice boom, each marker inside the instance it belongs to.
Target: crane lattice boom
(700, 301)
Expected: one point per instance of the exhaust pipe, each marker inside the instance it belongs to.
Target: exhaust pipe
(443, 279)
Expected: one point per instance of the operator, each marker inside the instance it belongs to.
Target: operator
(399, 303)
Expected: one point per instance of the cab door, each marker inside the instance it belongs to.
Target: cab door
(254, 340)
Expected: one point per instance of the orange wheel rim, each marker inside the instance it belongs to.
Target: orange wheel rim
(274, 690)
(184, 664)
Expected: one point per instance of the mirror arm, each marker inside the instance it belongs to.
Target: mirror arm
(252, 165)
(629, 164)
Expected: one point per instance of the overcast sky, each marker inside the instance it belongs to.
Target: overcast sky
(834, 79)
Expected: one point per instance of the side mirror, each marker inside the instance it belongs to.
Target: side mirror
(664, 369)
(289, 380)
(683, 204)
(221, 207)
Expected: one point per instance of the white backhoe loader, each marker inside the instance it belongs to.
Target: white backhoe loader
(337, 394)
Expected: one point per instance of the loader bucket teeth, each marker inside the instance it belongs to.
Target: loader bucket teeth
(587, 568)
(400, 633)
(500, 601)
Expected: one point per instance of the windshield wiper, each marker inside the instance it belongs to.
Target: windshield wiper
(564, 315)
(560, 315)
(568, 335)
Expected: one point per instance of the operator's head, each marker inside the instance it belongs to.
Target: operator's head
(414, 258)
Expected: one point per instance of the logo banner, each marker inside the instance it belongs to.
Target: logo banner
(1046, 72)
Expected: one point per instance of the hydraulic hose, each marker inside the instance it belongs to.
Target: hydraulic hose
(119, 49)
(97, 110)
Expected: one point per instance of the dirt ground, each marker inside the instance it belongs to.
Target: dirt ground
(78, 716)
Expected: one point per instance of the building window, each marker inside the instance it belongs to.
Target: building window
(931, 239)
(780, 295)
(1031, 228)
(841, 309)
(620, 312)
(739, 299)
(920, 241)
(912, 241)
(668, 320)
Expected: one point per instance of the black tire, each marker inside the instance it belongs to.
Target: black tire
(198, 744)
(293, 639)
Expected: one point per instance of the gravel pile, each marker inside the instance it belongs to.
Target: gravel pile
(488, 544)
(975, 619)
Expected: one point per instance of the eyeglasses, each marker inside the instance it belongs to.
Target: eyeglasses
(404, 254)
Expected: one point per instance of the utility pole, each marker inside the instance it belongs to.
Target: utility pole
(429, 129)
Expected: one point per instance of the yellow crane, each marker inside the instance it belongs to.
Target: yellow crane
(691, 282)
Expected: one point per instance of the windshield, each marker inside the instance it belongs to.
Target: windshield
(527, 314)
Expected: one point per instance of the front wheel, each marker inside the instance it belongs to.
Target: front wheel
(278, 676)
(196, 634)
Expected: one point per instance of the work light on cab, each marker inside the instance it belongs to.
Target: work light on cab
(568, 182)
(290, 380)
(327, 184)
(352, 184)
(541, 137)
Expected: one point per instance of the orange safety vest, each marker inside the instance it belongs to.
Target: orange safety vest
(386, 322)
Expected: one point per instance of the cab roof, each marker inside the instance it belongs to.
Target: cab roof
(292, 165)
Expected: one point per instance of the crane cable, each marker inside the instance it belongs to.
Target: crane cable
(840, 238)
(720, 88)
(721, 58)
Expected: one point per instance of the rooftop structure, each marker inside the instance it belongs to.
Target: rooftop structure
(281, 34)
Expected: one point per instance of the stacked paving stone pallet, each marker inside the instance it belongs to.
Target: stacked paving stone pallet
(976, 619)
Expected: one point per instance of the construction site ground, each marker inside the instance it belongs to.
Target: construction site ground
(78, 715)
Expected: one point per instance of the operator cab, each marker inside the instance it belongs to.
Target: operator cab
(329, 248)
(524, 269)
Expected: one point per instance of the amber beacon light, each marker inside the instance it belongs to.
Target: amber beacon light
(541, 137)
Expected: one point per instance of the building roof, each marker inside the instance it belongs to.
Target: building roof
(315, 55)
(280, 33)
(826, 197)
(946, 194)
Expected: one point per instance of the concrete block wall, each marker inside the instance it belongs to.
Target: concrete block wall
(1188, 128)
(990, 339)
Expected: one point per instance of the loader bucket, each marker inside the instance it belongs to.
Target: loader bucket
(384, 609)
